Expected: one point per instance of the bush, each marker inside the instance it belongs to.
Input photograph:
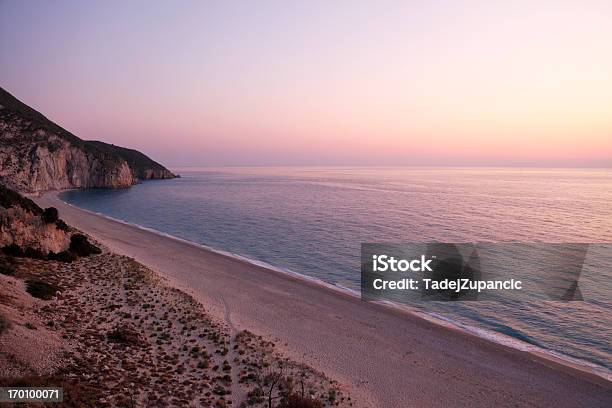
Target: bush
(17, 251)
(4, 324)
(33, 253)
(50, 215)
(82, 247)
(13, 250)
(124, 336)
(64, 256)
(40, 289)
(7, 270)
(61, 225)
(297, 401)
(255, 396)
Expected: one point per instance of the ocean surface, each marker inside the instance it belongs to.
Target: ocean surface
(312, 221)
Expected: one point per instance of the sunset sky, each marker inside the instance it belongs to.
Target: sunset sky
(321, 83)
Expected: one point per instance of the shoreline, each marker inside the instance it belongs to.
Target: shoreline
(537, 359)
(486, 334)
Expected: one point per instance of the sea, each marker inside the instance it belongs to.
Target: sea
(312, 221)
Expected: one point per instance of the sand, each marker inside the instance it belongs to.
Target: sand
(385, 357)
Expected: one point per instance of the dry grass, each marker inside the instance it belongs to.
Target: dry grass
(138, 342)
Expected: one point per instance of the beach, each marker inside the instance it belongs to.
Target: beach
(385, 357)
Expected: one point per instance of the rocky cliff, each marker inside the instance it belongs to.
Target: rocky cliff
(37, 154)
(26, 225)
(141, 166)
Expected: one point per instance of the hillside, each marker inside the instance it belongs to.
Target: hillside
(142, 166)
(36, 154)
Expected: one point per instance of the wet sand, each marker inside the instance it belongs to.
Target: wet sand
(385, 357)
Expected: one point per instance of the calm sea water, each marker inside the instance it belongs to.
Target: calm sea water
(313, 220)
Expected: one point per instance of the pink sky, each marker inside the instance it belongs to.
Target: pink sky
(322, 83)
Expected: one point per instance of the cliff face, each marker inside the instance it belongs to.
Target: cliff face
(21, 227)
(43, 161)
(23, 223)
(143, 168)
(37, 155)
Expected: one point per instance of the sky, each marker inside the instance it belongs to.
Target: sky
(356, 83)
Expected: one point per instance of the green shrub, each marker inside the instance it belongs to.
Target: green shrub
(7, 270)
(297, 401)
(33, 253)
(4, 324)
(219, 390)
(124, 336)
(64, 256)
(40, 289)
(60, 224)
(81, 246)
(255, 396)
(50, 215)
(13, 250)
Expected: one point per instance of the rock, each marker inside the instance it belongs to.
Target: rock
(48, 162)
(27, 230)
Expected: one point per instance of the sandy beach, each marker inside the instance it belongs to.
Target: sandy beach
(385, 357)
(113, 333)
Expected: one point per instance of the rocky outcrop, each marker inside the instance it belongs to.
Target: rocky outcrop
(21, 227)
(37, 154)
(26, 225)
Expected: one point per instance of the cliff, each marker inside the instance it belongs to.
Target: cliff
(37, 154)
(141, 165)
(29, 227)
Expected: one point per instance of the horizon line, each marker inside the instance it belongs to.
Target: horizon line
(387, 166)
